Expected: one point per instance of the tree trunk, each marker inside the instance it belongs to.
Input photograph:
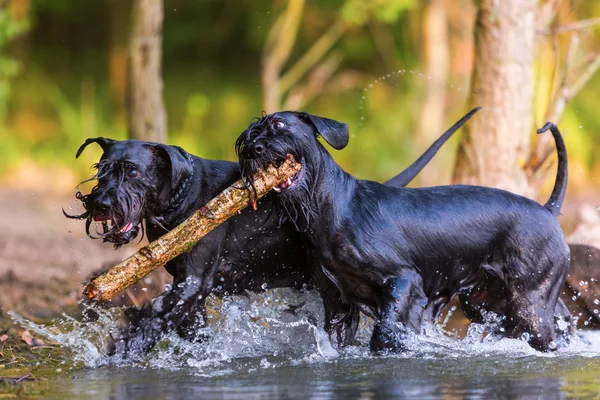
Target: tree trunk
(147, 118)
(118, 24)
(437, 70)
(496, 143)
(277, 51)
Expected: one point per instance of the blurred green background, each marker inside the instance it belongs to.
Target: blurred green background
(63, 78)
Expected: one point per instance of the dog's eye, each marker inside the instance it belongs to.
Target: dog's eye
(132, 173)
(279, 124)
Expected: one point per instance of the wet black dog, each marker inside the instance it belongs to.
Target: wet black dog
(163, 185)
(401, 254)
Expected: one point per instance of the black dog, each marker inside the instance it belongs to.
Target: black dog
(163, 185)
(401, 254)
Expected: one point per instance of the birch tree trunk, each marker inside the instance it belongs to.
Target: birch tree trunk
(437, 70)
(496, 143)
(147, 117)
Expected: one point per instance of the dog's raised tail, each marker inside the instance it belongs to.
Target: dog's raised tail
(404, 177)
(555, 201)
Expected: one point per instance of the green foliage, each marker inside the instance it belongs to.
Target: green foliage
(10, 28)
(388, 11)
(212, 54)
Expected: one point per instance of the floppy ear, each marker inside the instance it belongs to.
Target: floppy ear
(105, 143)
(335, 133)
(181, 163)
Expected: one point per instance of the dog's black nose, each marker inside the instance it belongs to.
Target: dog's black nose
(102, 203)
(255, 147)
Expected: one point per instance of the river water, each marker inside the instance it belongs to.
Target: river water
(270, 346)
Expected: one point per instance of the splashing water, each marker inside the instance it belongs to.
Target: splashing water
(271, 345)
(278, 323)
(282, 327)
(392, 79)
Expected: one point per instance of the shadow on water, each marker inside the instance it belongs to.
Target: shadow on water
(260, 347)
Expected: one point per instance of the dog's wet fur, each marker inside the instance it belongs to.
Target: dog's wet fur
(151, 187)
(401, 254)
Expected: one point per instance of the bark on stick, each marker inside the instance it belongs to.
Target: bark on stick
(188, 233)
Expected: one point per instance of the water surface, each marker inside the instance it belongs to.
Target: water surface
(260, 347)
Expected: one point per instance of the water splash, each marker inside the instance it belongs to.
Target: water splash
(393, 79)
(282, 327)
(86, 340)
(280, 323)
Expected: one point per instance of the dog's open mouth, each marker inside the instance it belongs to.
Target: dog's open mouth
(291, 182)
(109, 224)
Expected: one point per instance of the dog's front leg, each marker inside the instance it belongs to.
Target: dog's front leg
(341, 321)
(401, 309)
(174, 309)
(341, 318)
(194, 320)
(178, 308)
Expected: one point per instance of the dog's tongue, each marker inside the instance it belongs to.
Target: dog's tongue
(99, 218)
(127, 227)
(286, 184)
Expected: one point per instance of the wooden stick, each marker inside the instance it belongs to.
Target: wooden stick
(188, 233)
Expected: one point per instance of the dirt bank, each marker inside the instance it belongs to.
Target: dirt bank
(44, 257)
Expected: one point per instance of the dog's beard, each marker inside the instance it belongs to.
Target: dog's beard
(298, 204)
(123, 222)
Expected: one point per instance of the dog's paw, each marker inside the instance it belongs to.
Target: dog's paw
(192, 334)
(132, 335)
(134, 343)
(386, 340)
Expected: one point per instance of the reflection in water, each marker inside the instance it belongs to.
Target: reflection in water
(347, 378)
(260, 347)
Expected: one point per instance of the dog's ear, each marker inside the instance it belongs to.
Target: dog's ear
(181, 165)
(335, 133)
(105, 143)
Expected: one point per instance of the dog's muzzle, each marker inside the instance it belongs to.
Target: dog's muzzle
(114, 227)
(253, 158)
(256, 155)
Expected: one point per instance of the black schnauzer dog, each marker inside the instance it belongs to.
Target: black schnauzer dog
(163, 185)
(400, 254)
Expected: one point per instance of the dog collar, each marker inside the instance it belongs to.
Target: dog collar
(181, 191)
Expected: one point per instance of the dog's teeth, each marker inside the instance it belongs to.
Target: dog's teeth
(289, 181)
(277, 189)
